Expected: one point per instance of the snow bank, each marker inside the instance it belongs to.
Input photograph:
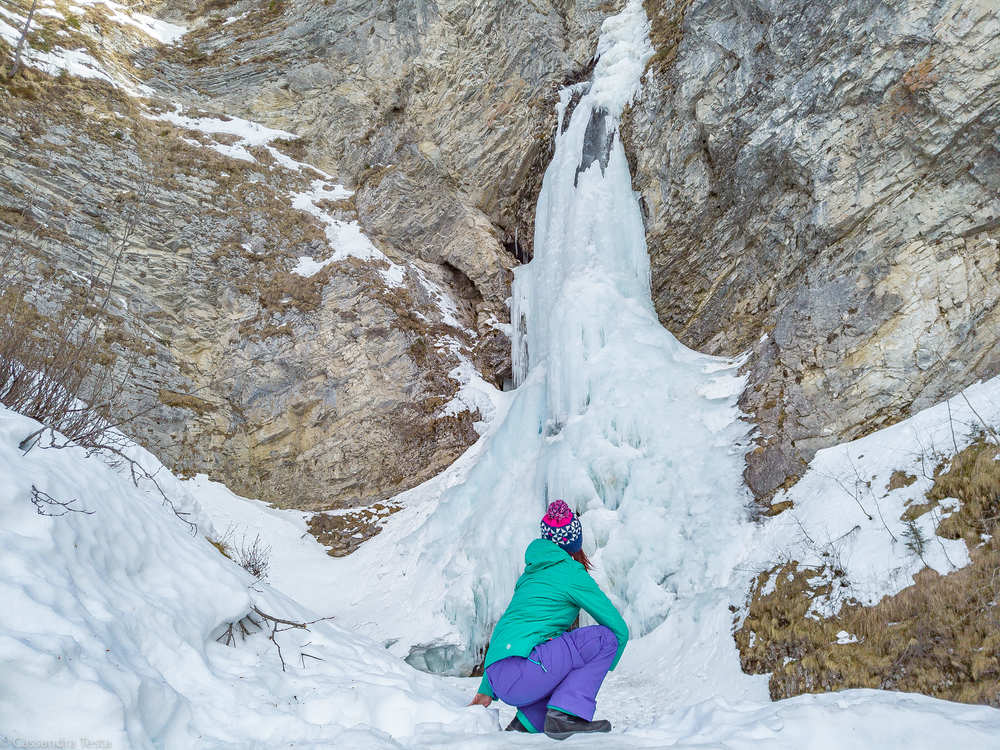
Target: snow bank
(651, 697)
(835, 721)
(99, 608)
(110, 620)
(843, 506)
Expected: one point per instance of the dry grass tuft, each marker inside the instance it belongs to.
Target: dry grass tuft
(973, 478)
(900, 479)
(185, 401)
(287, 290)
(666, 19)
(223, 549)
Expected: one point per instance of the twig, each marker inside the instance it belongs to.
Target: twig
(137, 471)
(228, 636)
(803, 530)
(43, 502)
(937, 522)
(951, 426)
(854, 495)
(274, 632)
(857, 527)
(303, 655)
(986, 426)
(291, 623)
(20, 42)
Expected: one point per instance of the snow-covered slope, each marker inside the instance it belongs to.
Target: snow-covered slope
(846, 504)
(110, 620)
(111, 613)
(663, 694)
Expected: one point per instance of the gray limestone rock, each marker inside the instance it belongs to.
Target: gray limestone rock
(820, 181)
(327, 391)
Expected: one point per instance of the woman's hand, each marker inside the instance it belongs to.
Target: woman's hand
(481, 700)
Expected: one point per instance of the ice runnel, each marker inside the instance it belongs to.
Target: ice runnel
(608, 413)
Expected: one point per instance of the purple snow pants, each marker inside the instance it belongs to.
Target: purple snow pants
(564, 673)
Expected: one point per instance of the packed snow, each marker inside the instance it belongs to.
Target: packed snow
(249, 135)
(346, 239)
(114, 608)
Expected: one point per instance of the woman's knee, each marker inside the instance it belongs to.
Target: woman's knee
(596, 640)
(608, 638)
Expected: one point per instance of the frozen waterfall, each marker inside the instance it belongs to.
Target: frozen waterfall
(639, 434)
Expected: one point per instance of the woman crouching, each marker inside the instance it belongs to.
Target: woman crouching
(535, 662)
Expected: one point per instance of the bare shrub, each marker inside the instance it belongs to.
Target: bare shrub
(252, 555)
(66, 362)
(56, 365)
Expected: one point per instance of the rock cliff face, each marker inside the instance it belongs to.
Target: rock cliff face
(334, 387)
(307, 390)
(438, 113)
(822, 183)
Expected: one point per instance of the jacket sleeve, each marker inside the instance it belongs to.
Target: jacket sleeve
(586, 594)
(485, 688)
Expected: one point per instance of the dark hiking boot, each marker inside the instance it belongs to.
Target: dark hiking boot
(559, 725)
(515, 726)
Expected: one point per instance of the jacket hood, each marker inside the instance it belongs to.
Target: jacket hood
(541, 553)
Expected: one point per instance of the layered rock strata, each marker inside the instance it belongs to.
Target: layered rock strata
(822, 183)
(340, 386)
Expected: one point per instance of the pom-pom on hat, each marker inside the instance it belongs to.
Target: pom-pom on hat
(559, 525)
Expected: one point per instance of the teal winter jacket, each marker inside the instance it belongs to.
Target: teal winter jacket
(547, 600)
